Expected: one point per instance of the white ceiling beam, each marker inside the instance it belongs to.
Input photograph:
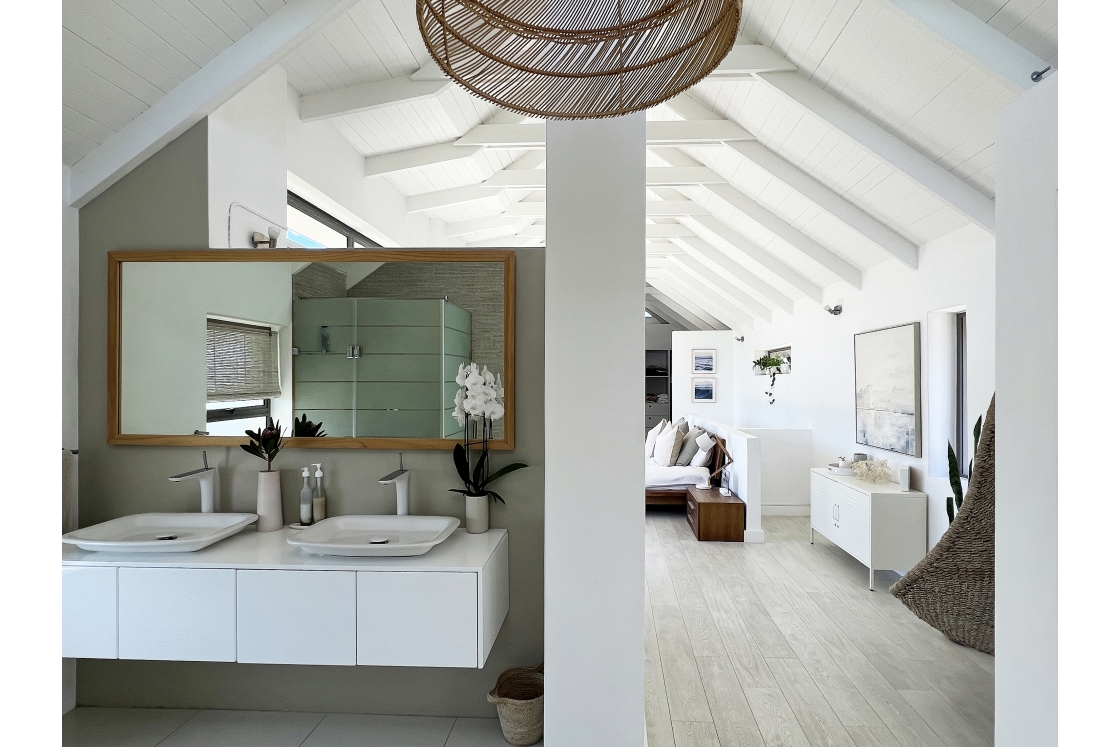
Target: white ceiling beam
(684, 299)
(198, 96)
(808, 187)
(988, 47)
(425, 155)
(829, 201)
(800, 241)
(967, 200)
(507, 241)
(531, 135)
(745, 60)
(731, 291)
(758, 255)
(773, 223)
(655, 296)
(448, 197)
(654, 208)
(656, 176)
(658, 307)
(703, 296)
(485, 223)
(653, 230)
(368, 97)
(705, 252)
(429, 71)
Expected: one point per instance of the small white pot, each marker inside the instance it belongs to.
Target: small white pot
(478, 513)
(270, 513)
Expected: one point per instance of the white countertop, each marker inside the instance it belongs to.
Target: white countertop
(878, 488)
(461, 552)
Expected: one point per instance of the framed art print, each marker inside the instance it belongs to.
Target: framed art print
(703, 390)
(703, 361)
(889, 388)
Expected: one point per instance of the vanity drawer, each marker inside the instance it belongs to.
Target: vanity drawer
(296, 617)
(89, 613)
(418, 619)
(177, 614)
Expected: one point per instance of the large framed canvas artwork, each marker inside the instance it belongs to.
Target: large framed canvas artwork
(889, 389)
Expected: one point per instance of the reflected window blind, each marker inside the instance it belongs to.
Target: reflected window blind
(242, 362)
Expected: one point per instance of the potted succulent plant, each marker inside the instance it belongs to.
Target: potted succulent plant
(478, 404)
(265, 444)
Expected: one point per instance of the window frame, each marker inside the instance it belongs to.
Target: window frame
(219, 415)
(354, 239)
(963, 444)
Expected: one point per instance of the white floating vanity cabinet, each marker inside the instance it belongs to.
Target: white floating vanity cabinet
(255, 599)
(879, 525)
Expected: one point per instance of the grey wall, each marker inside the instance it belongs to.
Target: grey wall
(318, 280)
(162, 204)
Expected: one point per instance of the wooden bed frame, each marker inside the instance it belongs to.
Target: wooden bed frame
(676, 495)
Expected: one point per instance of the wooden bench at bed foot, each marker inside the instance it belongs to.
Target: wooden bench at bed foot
(666, 496)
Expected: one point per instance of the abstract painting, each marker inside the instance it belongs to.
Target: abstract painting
(888, 389)
(703, 390)
(704, 361)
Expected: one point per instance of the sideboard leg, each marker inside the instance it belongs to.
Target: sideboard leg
(812, 534)
(871, 579)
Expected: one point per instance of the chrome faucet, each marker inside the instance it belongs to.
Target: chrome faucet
(205, 477)
(400, 478)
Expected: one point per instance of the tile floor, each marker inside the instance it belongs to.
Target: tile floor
(148, 727)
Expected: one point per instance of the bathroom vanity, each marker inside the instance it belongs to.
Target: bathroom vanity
(254, 598)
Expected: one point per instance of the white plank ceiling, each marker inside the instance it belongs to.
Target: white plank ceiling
(121, 56)
(1032, 24)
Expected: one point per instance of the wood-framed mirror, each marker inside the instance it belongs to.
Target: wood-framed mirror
(204, 344)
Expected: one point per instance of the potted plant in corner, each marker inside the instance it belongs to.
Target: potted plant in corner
(266, 444)
(478, 404)
(771, 365)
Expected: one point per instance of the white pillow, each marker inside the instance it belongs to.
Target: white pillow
(667, 446)
(701, 458)
(705, 442)
(651, 437)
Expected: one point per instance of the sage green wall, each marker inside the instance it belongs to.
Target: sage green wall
(162, 204)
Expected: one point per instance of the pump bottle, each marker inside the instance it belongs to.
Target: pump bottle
(305, 499)
(319, 496)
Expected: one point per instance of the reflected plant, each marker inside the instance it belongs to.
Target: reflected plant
(304, 428)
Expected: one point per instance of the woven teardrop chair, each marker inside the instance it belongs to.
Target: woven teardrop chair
(953, 587)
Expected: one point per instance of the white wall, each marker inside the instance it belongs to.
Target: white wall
(723, 342)
(69, 317)
(163, 335)
(1027, 354)
(594, 363)
(955, 270)
(246, 158)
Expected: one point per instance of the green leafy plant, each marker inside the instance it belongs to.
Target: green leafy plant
(771, 365)
(304, 428)
(953, 502)
(266, 442)
(478, 403)
(479, 480)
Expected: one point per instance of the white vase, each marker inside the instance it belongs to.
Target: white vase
(478, 513)
(270, 513)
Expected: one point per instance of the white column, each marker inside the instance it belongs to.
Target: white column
(594, 472)
(1027, 420)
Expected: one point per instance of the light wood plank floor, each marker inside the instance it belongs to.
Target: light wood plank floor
(782, 645)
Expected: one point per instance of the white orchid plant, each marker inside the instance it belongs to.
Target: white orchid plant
(479, 402)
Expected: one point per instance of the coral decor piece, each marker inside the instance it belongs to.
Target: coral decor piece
(872, 470)
(578, 59)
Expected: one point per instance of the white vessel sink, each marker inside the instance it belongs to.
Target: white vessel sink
(374, 535)
(159, 532)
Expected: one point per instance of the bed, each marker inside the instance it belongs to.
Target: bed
(668, 486)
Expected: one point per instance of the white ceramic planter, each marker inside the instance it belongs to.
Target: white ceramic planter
(478, 513)
(270, 513)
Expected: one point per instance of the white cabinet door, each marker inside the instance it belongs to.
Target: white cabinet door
(412, 619)
(296, 617)
(89, 613)
(178, 614)
(855, 523)
(821, 514)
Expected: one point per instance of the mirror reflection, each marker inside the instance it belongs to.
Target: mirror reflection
(343, 349)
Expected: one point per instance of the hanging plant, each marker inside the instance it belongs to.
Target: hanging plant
(771, 365)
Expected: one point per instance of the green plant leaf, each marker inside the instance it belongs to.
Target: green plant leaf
(459, 455)
(949, 507)
(480, 468)
(955, 475)
(495, 496)
(458, 490)
(503, 472)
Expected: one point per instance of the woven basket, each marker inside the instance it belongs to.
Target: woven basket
(519, 696)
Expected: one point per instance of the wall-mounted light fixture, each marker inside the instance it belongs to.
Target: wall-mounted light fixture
(740, 339)
(260, 241)
(834, 310)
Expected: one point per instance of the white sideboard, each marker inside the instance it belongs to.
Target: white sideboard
(254, 598)
(878, 524)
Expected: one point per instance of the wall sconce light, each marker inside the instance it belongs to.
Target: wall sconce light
(260, 241)
(834, 310)
(740, 339)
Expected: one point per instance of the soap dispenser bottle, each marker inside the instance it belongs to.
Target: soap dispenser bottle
(305, 499)
(319, 496)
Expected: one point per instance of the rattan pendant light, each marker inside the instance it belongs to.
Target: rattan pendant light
(578, 59)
